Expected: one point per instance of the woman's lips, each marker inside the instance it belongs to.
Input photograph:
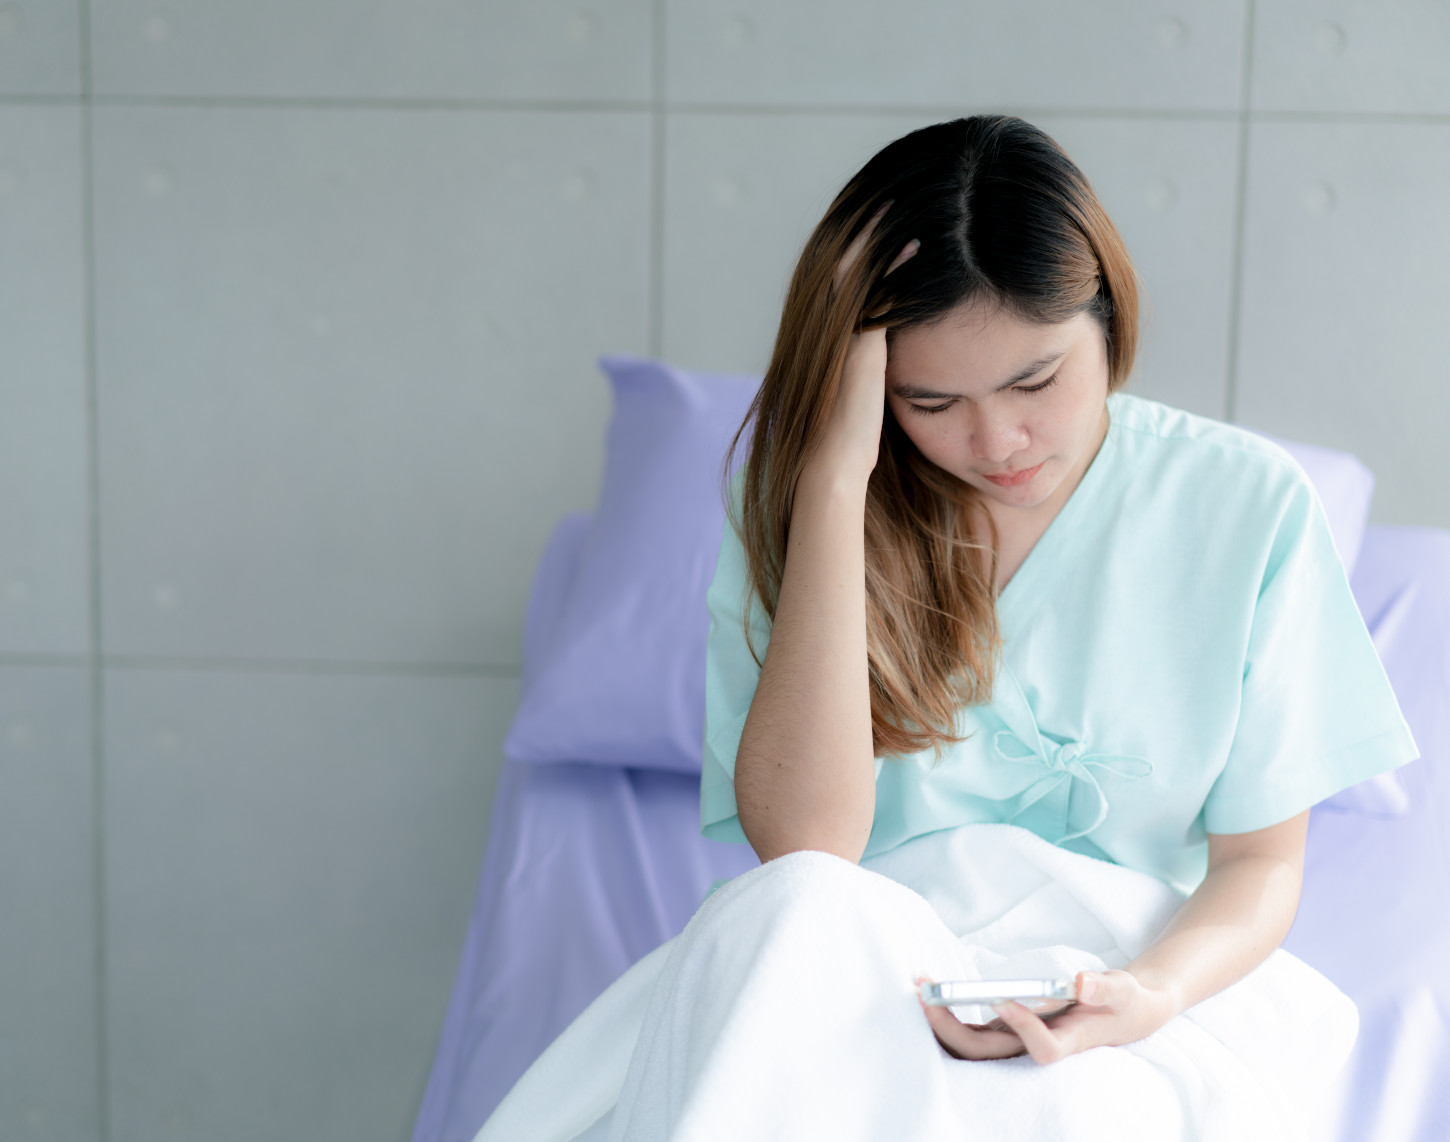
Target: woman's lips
(1020, 478)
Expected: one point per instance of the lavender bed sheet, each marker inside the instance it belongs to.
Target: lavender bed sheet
(589, 867)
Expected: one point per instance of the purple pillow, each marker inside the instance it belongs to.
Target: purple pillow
(621, 679)
(553, 581)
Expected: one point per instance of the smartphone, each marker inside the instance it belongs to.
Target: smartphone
(1031, 993)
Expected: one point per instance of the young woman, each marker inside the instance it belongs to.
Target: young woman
(974, 598)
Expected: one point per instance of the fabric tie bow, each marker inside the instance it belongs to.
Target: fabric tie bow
(1064, 762)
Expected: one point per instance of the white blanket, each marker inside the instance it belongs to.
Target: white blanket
(786, 1010)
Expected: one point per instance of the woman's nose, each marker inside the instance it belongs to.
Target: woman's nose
(997, 436)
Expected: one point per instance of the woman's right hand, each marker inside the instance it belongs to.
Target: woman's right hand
(852, 439)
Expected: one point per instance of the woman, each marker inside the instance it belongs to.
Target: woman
(1001, 656)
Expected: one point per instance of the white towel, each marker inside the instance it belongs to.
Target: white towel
(786, 1010)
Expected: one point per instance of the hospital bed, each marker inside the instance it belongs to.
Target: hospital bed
(590, 866)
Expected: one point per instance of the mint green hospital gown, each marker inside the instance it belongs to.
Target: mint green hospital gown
(1181, 655)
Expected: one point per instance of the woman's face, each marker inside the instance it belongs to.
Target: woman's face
(979, 367)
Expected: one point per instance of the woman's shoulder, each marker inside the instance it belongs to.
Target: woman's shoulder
(1191, 432)
(1189, 450)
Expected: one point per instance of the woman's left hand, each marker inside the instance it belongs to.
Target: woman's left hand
(1113, 1008)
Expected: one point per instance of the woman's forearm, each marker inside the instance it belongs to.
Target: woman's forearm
(804, 771)
(1241, 912)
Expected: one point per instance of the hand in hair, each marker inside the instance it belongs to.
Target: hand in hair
(852, 438)
(853, 251)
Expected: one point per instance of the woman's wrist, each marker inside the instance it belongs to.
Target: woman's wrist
(825, 475)
(1232, 922)
(1164, 995)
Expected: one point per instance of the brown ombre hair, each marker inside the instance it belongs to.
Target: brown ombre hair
(1002, 215)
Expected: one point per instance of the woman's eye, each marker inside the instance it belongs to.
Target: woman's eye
(930, 409)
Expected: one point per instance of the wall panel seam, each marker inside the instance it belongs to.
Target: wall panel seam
(657, 180)
(101, 1047)
(763, 110)
(359, 669)
(1236, 270)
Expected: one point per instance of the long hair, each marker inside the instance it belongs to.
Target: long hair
(1003, 215)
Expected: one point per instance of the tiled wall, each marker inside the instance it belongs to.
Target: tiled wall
(299, 304)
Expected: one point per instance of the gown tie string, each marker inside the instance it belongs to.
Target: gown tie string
(1066, 761)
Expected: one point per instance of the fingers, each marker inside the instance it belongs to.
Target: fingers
(1071, 1030)
(1111, 988)
(970, 1041)
(853, 251)
(906, 252)
(1048, 1044)
(858, 244)
(1043, 1043)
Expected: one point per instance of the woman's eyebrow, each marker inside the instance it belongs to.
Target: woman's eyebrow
(915, 392)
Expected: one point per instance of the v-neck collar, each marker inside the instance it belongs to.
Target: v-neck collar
(1047, 554)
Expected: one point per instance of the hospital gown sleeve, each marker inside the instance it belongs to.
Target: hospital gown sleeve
(1317, 712)
(730, 677)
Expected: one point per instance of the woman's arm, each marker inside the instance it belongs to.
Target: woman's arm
(804, 772)
(1241, 912)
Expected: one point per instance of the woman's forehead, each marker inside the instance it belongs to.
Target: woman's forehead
(977, 349)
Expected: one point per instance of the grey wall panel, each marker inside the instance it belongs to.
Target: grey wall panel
(40, 47)
(346, 364)
(1346, 287)
(44, 494)
(1352, 55)
(1169, 187)
(291, 863)
(745, 190)
(48, 1031)
(741, 196)
(1034, 53)
(514, 49)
